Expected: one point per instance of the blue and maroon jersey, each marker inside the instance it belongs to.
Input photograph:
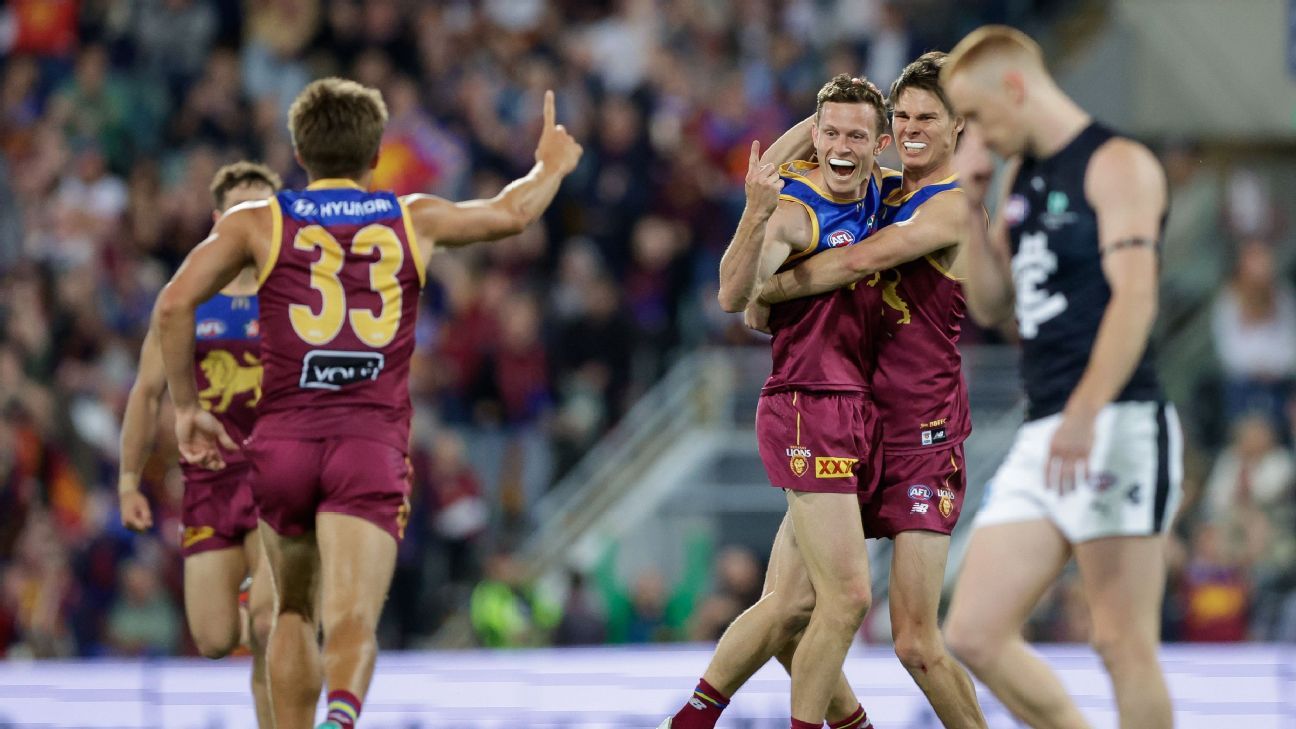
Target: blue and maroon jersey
(827, 342)
(339, 300)
(918, 386)
(227, 367)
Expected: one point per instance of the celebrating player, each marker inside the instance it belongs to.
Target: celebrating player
(220, 542)
(341, 269)
(1096, 469)
(816, 425)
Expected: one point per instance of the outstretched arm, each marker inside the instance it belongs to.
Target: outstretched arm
(940, 223)
(439, 222)
(205, 271)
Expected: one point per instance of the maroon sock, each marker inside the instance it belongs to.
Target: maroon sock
(344, 708)
(857, 720)
(798, 724)
(702, 710)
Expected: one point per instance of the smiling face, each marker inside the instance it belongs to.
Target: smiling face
(846, 138)
(925, 131)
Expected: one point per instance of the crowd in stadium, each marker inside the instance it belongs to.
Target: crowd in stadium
(115, 114)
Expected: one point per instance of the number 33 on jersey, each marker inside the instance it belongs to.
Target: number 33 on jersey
(339, 299)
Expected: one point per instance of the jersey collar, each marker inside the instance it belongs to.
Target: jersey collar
(332, 183)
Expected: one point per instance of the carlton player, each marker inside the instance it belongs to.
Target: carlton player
(1096, 469)
(815, 424)
(340, 270)
(220, 542)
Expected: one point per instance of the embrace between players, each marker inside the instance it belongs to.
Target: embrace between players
(851, 268)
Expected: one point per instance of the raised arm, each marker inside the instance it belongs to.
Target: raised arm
(138, 426)
(794, 144)
(939, 223)
(986, 259)
(439, 222)
(1126, 187)
(740, 264)
(205, 271)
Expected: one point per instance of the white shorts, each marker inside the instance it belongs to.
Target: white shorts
(1135, 476)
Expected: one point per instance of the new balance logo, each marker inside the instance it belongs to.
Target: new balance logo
(834, 467)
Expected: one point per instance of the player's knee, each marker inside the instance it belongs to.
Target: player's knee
(1117, 648)
(918, 648)
(215, 643)
(851, 601)
(262, 622)
(972, 647)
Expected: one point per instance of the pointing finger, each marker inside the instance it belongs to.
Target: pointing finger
(549, 114)
(755, 154)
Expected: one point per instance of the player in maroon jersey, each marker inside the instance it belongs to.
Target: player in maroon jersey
(220, 543)
(341, 270)
(816, 426)
(918, 385)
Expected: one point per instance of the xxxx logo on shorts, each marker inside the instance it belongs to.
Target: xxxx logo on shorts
(834, 467)
(193, 535)
(946, 504)
(800, 459)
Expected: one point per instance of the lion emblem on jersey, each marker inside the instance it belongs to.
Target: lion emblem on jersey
(226, 378)
(891, 296)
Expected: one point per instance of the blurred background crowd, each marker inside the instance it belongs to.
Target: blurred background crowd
(114, 114)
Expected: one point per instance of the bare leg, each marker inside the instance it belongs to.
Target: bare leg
(358, 559)
(830, 538)
(917, 573)
(260, 622)
(211, 590)
(1124, 582)
(843, 703)
(1007, 569)
(292, 653)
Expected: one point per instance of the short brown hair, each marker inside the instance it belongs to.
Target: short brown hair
(992, 41)
(241, 173)
(923, 74)
(337, 126)
(846, 90)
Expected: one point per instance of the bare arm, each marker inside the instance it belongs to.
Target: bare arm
(205, 271)
(786, 232)
(985, 260)
(1127, 189)
(140, 420)
(940, 223)
(740, 264)
(439, 222)
(793, 144)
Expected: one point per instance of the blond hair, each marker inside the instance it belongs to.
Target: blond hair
(241, 173)
(337, 127)
(989, 42)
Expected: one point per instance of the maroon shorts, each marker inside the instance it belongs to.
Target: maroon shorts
(217, 511)
(294, 479)
(920, 490)
(820, 442)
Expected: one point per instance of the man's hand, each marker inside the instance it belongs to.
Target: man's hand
(556, 149)
(974, 165)
(201, 438)
(1068, 459)
(763, 183)
(756, 316)
(135, 512)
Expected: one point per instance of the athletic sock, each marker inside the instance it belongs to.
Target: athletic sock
(344, 708)
(702, 710)
(798, 724)
(857, 720)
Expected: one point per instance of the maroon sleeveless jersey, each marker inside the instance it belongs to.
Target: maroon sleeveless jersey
(827, 342)
(339, 298)
(227, 368)
(919, 387)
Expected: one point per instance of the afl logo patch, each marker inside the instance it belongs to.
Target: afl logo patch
(839, 238)
(303, 207)
(920, 493)
(210, 328)
(1016, 209)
